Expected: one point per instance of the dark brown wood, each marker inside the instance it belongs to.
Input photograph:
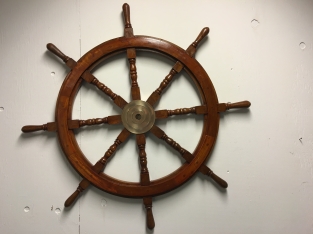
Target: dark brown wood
(118, 100)
(204, 32)
(76, 123)
(126, 13)
(67, 60)
(87, 76)
(162, 135)
(81, 70)
(104, 88)
(144, 173)
(135, 91)
(128, 31)
(81, 187)
(227, 106)
(71, 86)
(67, 96)
(131, 54)
(50, 127)
(192, 48)
(145, 178)
(187, 155)
(199, 110)
(99, 166)
(156, 95)
(148, 205)
(207, 171)
(161, 114)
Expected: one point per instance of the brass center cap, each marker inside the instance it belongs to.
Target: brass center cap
(138, 117)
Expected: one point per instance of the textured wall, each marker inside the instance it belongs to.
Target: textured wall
(261, 51)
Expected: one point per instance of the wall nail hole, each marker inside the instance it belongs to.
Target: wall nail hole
(1, 109)
(26, 209)
(57, 211)
(231, 69)
(254, 23)
(52, 73)
(103, 203)
(227, 171)
(302, 45)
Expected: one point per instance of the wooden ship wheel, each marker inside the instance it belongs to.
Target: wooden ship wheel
(137, 117)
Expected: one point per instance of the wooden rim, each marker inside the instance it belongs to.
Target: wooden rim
(109, 184)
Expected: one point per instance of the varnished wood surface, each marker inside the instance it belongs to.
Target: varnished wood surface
(99, 166)
(159, 186)
(227, 106)
(93, 174)
(80, 70)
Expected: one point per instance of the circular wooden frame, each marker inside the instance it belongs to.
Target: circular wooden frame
(70, 88)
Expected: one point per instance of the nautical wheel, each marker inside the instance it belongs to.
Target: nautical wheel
(137, 117)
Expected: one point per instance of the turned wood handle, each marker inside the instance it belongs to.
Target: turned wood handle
(34, 128)
(150, 218)
(126, 13)
(205, 31)
(149, 215)
(243, 104)
(81, 187)
(71, 198)
(219, 180)
(51, 47)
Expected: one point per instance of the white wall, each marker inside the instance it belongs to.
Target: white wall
(253, 52)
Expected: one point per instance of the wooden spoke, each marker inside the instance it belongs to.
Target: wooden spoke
(147, 201)
(50, 127)
(87, 76)
(161, 114)
(141, 139)
(193, 47)
(118, 100)
(161, 134)
(207, 171)
(145, 178)
(99, 166)
(227, 106)
(76, 123)
(135, 91)
(73, 124)
(144, 174)
(187, 155)
(156, 95)
(67, 60)
(131, 54)
(137, 116)
(128, 31)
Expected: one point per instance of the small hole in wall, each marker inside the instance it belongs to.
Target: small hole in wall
(302, 45)
(52, 73)
(227, 171)
(1, 109)
(26, 209)
(254, 23)
(57, 211)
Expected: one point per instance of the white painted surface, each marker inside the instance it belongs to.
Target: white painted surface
(259, 51)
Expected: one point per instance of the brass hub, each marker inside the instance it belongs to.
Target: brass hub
(138, 117)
